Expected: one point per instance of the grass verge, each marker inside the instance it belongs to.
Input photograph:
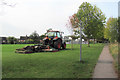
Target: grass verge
(113, 47)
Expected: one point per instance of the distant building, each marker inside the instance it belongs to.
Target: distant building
(3, 40)
(23, 38)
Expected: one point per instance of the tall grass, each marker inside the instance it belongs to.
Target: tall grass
(114, 51)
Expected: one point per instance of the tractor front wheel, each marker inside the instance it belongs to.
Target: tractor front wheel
(57, 44)
(64, 45)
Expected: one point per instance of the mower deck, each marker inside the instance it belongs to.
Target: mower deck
(35, 49)
(50, 50)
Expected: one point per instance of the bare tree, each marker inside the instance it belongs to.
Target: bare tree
(70, 28)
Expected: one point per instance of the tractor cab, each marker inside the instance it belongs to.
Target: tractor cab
(53, 34)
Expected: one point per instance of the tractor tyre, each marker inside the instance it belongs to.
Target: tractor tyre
(57, 44)
(64, 45)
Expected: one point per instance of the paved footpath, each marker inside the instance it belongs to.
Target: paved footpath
(104, 68)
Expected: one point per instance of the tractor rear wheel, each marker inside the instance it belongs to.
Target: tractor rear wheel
(57, 44)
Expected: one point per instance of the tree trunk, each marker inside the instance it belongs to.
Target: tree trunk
(72, 44)
(94, 40)
(88, 43)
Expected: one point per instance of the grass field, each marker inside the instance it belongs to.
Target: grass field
(62, 64)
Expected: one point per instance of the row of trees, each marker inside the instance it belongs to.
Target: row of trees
(33, 38)
(90, 19)
(12, 40)
(111, 30)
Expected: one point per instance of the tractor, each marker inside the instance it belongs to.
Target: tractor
(52, 42)
(54, 39)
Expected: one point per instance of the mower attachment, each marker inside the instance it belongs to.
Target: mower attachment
(36, 48)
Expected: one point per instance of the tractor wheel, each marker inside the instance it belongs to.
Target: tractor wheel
(57, 44)
(64, 45)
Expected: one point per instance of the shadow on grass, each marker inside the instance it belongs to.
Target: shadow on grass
(81, 62)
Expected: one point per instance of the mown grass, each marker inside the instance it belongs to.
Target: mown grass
(62, 64)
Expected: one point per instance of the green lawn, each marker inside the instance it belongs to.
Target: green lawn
(62, 64)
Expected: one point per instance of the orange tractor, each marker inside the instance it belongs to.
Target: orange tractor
(52, 42)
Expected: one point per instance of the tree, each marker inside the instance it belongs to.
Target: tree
(72, 24)
(99, 20)
(12, 40)
(29, 41)
(91, 20)
(111, 30)
(118, 30)
(35, 37)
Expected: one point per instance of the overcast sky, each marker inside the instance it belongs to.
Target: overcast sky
(28, 16)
